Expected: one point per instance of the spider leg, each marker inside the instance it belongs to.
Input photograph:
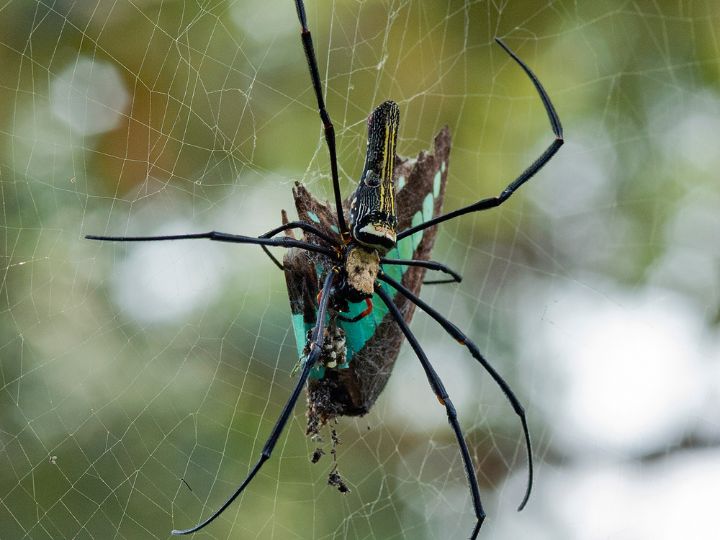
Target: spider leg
(440, 281)
(220, 237)
(442, 395)
(461, 338)
(315, 350)
(324, 116)
(293, 225)
(273, 258)
(431, 265)
(299, 225)
(539, 163)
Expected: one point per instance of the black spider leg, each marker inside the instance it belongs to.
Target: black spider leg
(293, 225)
(539, 163)
(324, 116)
(461, 338)
(220, 237)
(431, 265)
(439, 281)
(315, 350)
(442, 395)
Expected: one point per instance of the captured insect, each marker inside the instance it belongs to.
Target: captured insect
(353, 284)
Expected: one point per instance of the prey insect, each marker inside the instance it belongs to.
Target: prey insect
(354, 283)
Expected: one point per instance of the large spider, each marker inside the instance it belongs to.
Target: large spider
(348, 259)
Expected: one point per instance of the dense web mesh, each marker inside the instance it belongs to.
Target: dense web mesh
(140, 381)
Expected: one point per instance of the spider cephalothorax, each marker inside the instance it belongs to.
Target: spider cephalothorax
(373, 217)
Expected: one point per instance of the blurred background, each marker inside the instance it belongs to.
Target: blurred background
(139, 382)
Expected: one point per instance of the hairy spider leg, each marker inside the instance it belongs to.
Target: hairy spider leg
(442, 395)
(539, 163)
(315, 350)
(324, 116)
(461, 338)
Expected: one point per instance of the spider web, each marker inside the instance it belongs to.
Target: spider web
(139, 382)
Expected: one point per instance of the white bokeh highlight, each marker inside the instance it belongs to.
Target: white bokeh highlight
(160, 282)
(253, 18)
(89, 96)
(622, 377)
(664, 500)
(412, 402)
(163, 282)
(690, 137)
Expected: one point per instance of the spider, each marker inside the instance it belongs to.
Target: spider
(349, 259)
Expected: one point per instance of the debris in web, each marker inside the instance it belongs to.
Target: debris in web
(334, 478)
(316, 455)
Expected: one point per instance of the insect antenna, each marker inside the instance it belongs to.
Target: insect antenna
(442, 395)
(461, 338)
(315, 350)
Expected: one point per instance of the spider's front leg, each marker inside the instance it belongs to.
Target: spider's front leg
(218, 237)
(328, 127)
(539, 163)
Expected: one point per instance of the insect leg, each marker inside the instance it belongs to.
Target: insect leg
(461, 338)
(539, 163)
(324, 116)
(442, 395)
(431, 265)
(315, 350)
